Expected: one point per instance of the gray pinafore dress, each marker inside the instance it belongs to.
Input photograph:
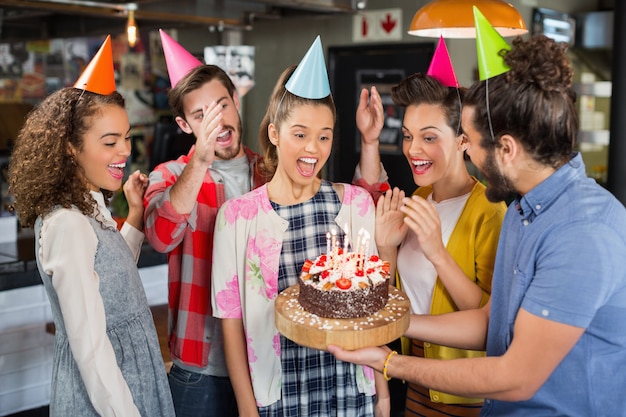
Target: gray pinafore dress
(130, 328)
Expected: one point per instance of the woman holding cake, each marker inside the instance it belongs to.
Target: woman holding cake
(441, 241)
(270, 232)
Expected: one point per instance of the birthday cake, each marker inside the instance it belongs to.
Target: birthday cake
(342, 284)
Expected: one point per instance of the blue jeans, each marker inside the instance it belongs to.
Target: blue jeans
(199, 395)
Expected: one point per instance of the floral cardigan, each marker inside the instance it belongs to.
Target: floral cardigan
(246, 253)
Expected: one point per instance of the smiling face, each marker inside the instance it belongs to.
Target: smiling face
(429, 144)
(228, 145)
(105, 149)
(303, 143)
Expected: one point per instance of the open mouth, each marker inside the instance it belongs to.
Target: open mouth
(117, 170)
(421, 166)
(224, 137)
(306, 166)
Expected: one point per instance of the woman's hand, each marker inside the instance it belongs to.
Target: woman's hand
(422, 218)
(370, 117)
(390, 227)
(134, 189)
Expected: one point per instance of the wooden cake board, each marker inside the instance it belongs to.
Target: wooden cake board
(316, 332)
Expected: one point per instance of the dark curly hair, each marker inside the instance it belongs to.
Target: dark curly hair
(42, 171)
(419, 89)
(534, 102)
(280, 106)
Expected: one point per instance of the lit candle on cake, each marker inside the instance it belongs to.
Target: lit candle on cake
(359, 248)
(366, 243)
(327, 242)
(333, 233)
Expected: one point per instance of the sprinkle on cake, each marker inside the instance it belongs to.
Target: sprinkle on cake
(342, 284)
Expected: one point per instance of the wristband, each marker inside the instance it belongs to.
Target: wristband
(387, 377)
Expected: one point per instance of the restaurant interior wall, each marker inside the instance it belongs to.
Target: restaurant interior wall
(282, 43)
(26, 361)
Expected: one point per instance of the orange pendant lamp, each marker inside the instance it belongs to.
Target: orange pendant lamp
(455, 19)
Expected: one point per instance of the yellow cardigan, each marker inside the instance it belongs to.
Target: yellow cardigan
(472, 244)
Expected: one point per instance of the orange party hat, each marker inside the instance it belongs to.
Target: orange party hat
(441, 66)
(98, 77)
(178, 60)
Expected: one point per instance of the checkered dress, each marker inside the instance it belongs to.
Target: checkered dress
(314, 383)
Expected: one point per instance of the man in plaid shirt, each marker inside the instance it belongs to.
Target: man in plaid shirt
(181, 203)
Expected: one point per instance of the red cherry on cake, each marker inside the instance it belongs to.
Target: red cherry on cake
(343, 283)
(321, 261)
(374, 258)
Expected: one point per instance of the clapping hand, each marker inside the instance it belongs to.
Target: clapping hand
(390, 227)
(422, 218)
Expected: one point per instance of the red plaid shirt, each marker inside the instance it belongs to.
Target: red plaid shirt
(187, 239)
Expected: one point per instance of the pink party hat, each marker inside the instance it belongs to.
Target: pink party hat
(441, 66)
(489, 43)
(178, 60)
(310, 79)
(98, 76)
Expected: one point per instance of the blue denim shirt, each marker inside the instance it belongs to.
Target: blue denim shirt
(562, 257)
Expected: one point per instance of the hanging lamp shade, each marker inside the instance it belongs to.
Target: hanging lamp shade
(455, 19)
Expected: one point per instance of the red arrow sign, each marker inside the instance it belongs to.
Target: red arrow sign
(388, 24)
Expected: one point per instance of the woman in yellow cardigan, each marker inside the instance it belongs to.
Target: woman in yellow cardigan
(442, 241)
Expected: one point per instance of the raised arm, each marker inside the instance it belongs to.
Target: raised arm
(370, 173)
(370, 120)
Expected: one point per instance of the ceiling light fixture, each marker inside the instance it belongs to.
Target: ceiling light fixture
(455, 19)
(131, 26)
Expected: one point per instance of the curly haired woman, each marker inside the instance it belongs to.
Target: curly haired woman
(68, 158)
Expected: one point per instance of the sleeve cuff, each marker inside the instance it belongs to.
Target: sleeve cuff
(134, 238)
(377, 189)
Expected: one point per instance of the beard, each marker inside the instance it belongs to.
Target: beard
(499, 187)
(226, 154)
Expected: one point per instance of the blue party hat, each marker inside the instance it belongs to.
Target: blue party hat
(310, 79)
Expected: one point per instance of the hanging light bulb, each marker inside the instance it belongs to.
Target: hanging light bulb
(131, 26)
